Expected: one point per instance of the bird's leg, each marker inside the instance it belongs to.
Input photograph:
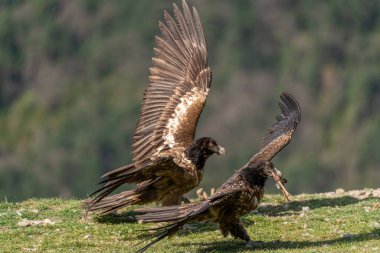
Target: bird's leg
(237, 230)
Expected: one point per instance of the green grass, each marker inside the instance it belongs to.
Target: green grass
(338, 223)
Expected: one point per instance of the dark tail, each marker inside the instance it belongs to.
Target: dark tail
(112, 181)
(179, 215)
(161, 233)
(106, 204)
(127, 170)
(167, 213)
(112, 203)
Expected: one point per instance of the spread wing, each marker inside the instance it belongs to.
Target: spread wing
(282, 131)
(179, 83)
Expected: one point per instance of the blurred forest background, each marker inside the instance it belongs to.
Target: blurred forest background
(72, 74)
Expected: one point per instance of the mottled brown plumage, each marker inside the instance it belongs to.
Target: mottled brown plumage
(240, 194)
(168, 162)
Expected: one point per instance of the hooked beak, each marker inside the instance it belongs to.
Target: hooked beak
(221, 150)
(277, 176)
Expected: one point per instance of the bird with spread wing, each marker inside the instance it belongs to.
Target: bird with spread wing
(240, 194)
(168, 162)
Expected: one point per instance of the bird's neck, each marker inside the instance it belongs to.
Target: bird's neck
(255, 178)
(196, 156)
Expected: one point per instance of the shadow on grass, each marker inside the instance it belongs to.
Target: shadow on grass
(296, 206)
(239, 246)
(115, 218)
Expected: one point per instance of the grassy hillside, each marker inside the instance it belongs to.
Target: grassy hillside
(329, 222)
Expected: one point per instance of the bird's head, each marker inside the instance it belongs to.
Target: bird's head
(208, 147)
(267, 169)
(201, 149)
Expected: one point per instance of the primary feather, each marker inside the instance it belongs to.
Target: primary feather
(281, 132)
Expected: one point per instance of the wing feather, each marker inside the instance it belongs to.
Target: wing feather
(199, 28)
(282, 131)
(179, 82)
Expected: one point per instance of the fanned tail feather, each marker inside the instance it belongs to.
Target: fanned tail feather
(113, 180)
(163, 232)
(112, 203)
(139, 195)
(179, 214)
(167, 213)
(119, 171)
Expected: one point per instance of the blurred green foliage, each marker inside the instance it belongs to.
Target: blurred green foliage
(72, 74)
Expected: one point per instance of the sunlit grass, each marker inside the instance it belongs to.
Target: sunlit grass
(310, 223)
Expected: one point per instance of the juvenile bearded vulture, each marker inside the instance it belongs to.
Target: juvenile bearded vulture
(168, 162)
(240, 194)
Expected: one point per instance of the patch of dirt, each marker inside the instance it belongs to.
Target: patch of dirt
(28, 223)
(359, 194)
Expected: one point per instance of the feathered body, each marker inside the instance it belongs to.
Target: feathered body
(168, 162)
(167, 183)
(241, 193)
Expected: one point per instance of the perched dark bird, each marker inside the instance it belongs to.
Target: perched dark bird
(168, 162)
(241, 193)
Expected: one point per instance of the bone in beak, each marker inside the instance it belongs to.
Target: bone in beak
(221, 150)
(279, 184)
